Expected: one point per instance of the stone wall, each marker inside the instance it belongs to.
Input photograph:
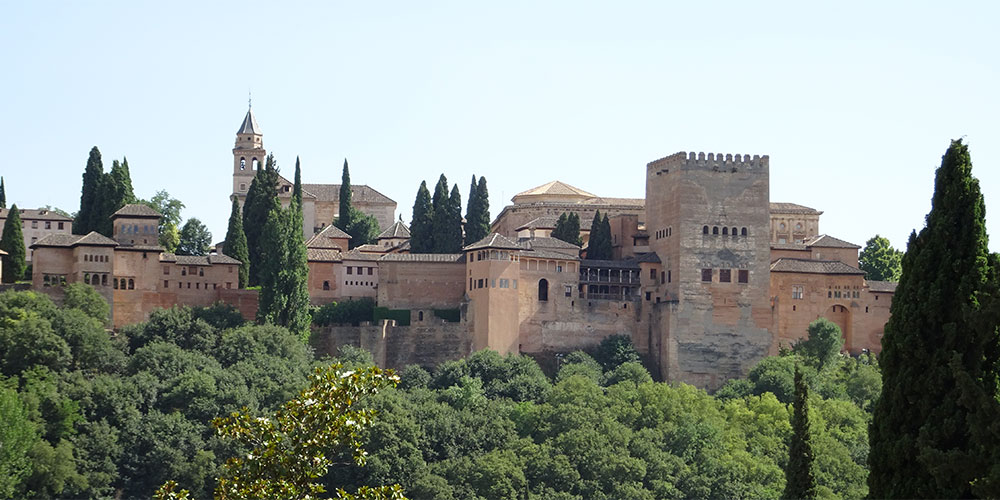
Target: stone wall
(392, 346)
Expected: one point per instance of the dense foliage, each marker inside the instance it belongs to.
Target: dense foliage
(284, 294)
(880, 261)
(800, 483)
(195, 238)
(12, 242)
(935, 432)
(262, 198)
(568, 228)
(599, 245)
(235, 244)
(477, 214)
(422, 225)
(102, 194)
(170, 218)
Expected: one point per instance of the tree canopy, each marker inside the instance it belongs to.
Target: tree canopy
(880, 261)
(12, 242)
(568, 228)
(599, 245)
(195, 238)
(422, 225)
(235, 244)
(261, 200)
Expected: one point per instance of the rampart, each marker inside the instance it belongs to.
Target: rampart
(392, 346)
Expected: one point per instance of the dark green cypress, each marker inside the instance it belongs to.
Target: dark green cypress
(115, 192)
(422, 225)
(441, 217)
(235, 244)
(452, 237)
(12, 242)
(599, 245)
(483, 210)
(297, 187)
(85, 221)
(262, 198)
(940, 359)
(344, 216)
(559, 232)
(470, 214)
(3, 195)
(284, 295)
(568, 228)
(800, 483)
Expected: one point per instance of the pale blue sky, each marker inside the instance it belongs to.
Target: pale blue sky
(854, 103)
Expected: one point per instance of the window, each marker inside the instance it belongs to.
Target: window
(420, 315)
(34, 224)
(543, 290)
(201, 272)
(647, 296)
(515, 286)
(326, 285)
(359, 271)
(704, 230)
(668, 276)
(350, 270)
(652, 274)
(243, 186)
(166, 284)
(197, 286)
(131, 284)
(743, 276)
(734, 232)
(706, 275)
(114, 282)
(781, 227)
(243, 163)
(370, 270)
(166, 270)
(493, 283)
(184, 271)
(662, 276)
(568, 290)
(479, 283)
(725, 276)
(48, 224)
(104, 280)
(797, 291)
(725, 231)
(715, 230)
(229, 284)
(743, 231)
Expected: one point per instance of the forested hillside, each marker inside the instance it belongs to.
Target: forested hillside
(88, 414)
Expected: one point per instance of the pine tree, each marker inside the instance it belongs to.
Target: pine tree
(344, 216)
(800, 483)
(3, 195)
(85, 221)
(880, 261)
(422, 225)
(262, 198)
(235, 244)
(930, 435)
(12, 242)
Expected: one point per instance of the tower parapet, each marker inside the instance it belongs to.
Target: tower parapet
(710, 161)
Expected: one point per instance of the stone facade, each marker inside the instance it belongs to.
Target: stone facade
(37, 224)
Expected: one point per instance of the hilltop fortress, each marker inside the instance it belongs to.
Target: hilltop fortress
(708, 275)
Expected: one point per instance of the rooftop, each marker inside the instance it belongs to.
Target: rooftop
(71, 240)
(360, 193)
(787, 265)
(792, 208)
(136, 210)
(249, 125)
(423, 257)
(494, 240)
(324, 239)
(828, 241)
(396, 230)
(882, 286)
(36, 214)
(556, 188)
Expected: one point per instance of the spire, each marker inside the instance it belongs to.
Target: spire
(249, 125)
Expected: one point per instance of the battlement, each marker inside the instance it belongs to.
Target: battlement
(716, 161)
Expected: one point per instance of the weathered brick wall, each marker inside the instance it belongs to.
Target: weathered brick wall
(427, 344)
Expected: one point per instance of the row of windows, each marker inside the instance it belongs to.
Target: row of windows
(495, 255)
(350, 270)
(95, 279)
(665, 277)
(847, 294)
(95, 258)
(492, 283)
(798, 226)
(53, 279)
(48, 224)
(136, 229)
(357, 283)
(664, 233)
(243, 162)
(725, 231)
(725, 275)
(197, 285)
(120, 283)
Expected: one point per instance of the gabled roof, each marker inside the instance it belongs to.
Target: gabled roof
(71, 240)
(649, 257)
(36, 214)
(324, 239)
(555, 188)
(788, 265)
(323, 255)
(355, 254)
(360, 193)
(882, 286)
(192, 260)
(548, 242)
(423, 257)
(219, 258)
(396, 230)
(544, 222)
(827, 241)
(792, 208)
(494, 240)
(136, 210)
(249, 125)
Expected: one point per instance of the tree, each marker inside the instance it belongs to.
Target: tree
(615, 350)
(3, 194)
(344, 214)
(86, 221)
(195, 238)
(52, 209)
(568, 228)
(880, 261)
(422, 225)
(297, 186)
(115, 192)
(799, 479)
(170, 218)
(447, 214)
(363, 229)
(235, 244)
(17, 437)
(477, 215)
(12, 242)
(599, 244)
(933, 433)
(823, 344)
(262, 198)
(291, 450)
(284, 296)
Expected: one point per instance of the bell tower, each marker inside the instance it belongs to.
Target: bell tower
(248, 155)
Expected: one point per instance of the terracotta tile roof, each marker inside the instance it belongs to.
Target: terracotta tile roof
(548, 242)
(167, 257)
(193, 260)
(788, 246)
(355, 254)
(630, 202)
(827, 241)
(36, 214)
(396, 230)
(614, 264)
(359, 193)
(787, 265)
(324, 239)
(882, 286)
(649, 257)
(792, 208)
(372, 248)
(141, 248)
(136, 210)
(222, 259)
(96, 239)
(423, 257)
(549, 254)
(56, 240)
(544, 222)
(555, 188)
(323, 255)
(494, 240)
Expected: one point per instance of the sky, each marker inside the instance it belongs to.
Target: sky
(854, 102)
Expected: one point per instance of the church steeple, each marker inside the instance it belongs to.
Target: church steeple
(249, 125)
(248, 154)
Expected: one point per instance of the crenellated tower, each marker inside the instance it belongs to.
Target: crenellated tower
(248, 155)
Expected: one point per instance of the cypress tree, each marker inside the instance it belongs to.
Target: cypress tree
(115, 191)
(452, 238)
(3, 195)
(297, 187)
(800, 483)
(441, 218)
(930, 435)
(344, 216)
(284, 296)
(85, 220)
(12, 242)
(599, 245)
(262, 198)
(422, 225)
(568, 228)
(470, 214)
(481, 225)
(235, 244)
(559, 232)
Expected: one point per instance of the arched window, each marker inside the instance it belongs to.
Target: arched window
(122, 284)
(734, 232)
(704, 230)
(543, 290)
(104, 280)
(86, 278)
(255, 164)
(326, 285)
(715, 229)
(131, 284)
(743, 231)
(420, 315)
(725, 231)
(115, 283)
(243, 163)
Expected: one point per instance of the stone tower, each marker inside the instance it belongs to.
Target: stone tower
(248, 155)
(708, 221)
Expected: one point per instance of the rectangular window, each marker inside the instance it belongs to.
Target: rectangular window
(201, 272)
(647, 296)
(568, 290)
(166, 284)
(652, 274)
(229, 284)
(559, 268)
(663, 277)
(743, 276)
(34, 224)
(668, 277)
(797, 291)
(470, 283)
(370, 270)
(350, 270)
(725, 276)
(166, 270)
(60, 225)
(493, 283)
(48, 224)
(706, 275)
(479, 283)
(360, 272)
(515, 285)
